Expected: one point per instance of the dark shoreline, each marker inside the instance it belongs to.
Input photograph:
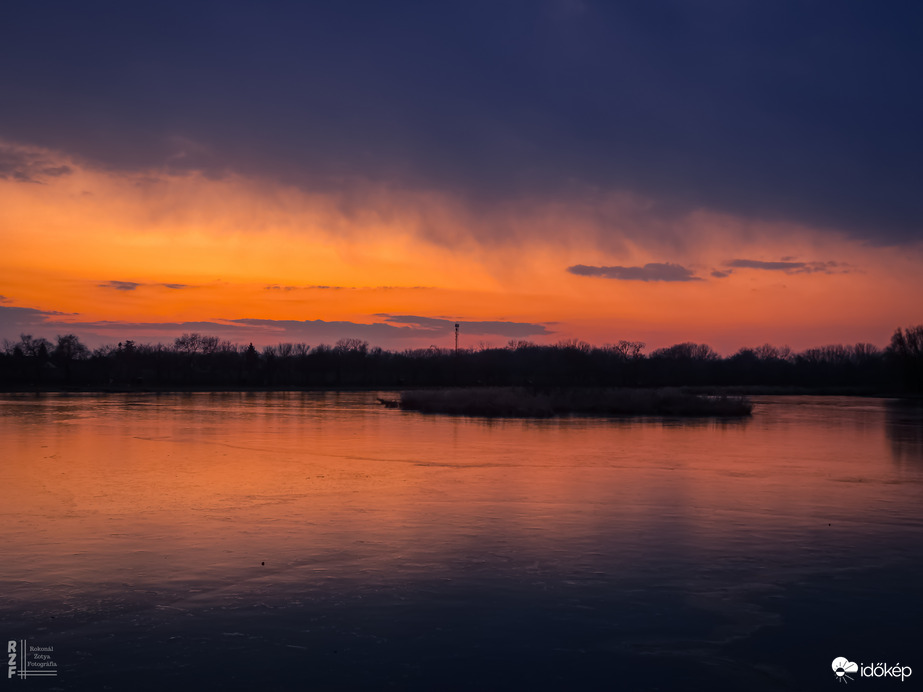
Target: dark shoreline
(198, 363)
(731, 390)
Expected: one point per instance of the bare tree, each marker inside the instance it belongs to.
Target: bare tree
(352, 345)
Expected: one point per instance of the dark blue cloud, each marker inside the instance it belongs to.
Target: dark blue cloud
(790, 267)
(134, 285)
(784, 110)
(27, 167)
(121, 285)
(438, 326)
(396, 332)
(277, 287)
(16, 320)
(652, 271)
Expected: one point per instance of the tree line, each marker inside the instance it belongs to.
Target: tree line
(201, 361)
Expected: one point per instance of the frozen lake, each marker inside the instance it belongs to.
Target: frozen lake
(321, 541)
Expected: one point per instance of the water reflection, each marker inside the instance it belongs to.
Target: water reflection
(904, 426)
(212, 478)
(188, 515)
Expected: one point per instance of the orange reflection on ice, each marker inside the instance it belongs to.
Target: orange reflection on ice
(201, 489)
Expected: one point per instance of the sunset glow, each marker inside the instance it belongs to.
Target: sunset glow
(185, 228)
(145, 250)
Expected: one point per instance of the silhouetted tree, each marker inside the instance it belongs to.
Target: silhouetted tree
(199, 360)
(352, 345)
(33, 348)
(68, 350)
(906, 350)
(34, 354)
(196, 343)
(686, 351)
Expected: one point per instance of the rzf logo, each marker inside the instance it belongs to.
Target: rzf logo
(11, 650)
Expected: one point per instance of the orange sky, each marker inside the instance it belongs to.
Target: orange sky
(187, 248)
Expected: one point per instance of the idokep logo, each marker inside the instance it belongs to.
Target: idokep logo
(843, 666)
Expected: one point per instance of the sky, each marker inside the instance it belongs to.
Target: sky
(730, 172)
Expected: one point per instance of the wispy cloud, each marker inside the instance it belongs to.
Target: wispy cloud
(120, 285)
(26, 165)
(437, 325)
(394, 331)
(14, 320)
(791, 267)
(277, 287)
(652, 271)
(56, 171)
(134, 285)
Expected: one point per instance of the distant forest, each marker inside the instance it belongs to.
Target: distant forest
(197, 361)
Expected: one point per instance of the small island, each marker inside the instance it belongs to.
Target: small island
(519, 402)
